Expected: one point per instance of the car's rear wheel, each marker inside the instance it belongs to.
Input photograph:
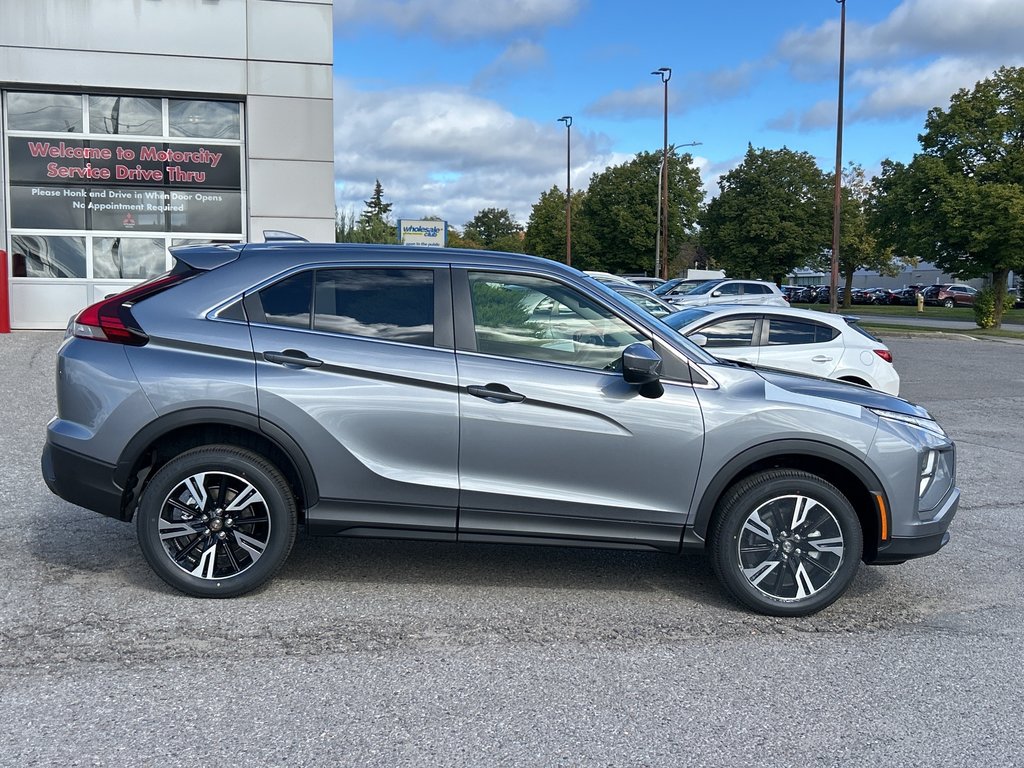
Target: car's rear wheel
(216, 521)
(785, 542)
(949, 303)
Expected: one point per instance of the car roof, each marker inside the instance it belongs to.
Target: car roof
(767, 309)
(209, 256)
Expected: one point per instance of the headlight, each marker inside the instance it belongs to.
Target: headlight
(928, 425)
(936, 473)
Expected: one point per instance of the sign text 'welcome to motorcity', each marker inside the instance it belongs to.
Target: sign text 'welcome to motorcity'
(171, 159)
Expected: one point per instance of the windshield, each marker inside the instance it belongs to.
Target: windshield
(707, 287)
(664, 288)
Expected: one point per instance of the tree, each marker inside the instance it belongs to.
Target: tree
(858, 246)
(773, 214)
(545, 229)
(619, 214)
(960, 201)
(495, 229)
(375, 223)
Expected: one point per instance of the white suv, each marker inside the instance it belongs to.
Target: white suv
(727, 291)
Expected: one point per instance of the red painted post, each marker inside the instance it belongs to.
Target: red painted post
(5, 295)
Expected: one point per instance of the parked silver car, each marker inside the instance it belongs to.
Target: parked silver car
(469, 396)
(727, 291)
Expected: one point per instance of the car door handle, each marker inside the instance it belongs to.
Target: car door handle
(292, 357)
(495, 392)
(821, 359)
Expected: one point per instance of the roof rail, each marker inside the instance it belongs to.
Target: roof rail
(279, 235)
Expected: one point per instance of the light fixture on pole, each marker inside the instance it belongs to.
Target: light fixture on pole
(661, 240)
(837, 201)
(567, 119)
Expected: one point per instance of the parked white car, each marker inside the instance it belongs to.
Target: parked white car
(726, 291)
(798, 340)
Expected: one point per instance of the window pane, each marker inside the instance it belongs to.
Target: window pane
(44, 112)
(127, 258)
(47, 256)
(204, 119)
(729, 333)
(791, 332)
(287, 302)
(538, 319)
(125, 114)
(391, 304)
(729, 289)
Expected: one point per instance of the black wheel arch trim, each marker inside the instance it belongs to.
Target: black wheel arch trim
(249, 422)
(696, 532)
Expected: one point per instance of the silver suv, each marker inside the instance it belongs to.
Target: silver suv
(469, 396)
(726, 291)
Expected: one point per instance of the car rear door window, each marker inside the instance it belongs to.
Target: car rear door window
(782, 331)
(287, 302)
(389, 304)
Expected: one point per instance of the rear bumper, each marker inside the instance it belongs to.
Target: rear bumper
(82, 480)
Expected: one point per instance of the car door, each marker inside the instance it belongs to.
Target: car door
(554, 444)
(800, 345)
(727, 293)
(356, 365)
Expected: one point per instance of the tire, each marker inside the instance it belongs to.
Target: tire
(949, 303)
(773, 566)
(216, 521)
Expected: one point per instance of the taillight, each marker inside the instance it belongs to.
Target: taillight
(885, 354)
(111, 319)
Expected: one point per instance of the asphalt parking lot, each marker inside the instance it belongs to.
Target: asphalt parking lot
(403, 653)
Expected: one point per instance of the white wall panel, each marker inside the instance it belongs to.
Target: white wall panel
(309, 81)
(294, 31)
(180, 27)
(135, 71)
(291, 189)
(46, 304)
(290, 129)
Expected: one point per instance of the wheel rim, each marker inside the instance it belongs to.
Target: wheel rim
(790, 548)
(214, 525)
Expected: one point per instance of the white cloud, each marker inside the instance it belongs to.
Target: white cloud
(449, 153)
(685, 93)
(517, 58)
(984, 28)
(903, 92)
(455, 18)
(914, 59)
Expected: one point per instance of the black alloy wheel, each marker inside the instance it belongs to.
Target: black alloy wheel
(785, 542)
(216, 521)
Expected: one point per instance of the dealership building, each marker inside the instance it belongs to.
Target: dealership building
(130, 126)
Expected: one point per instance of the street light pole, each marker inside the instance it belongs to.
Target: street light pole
(661, 241)
(567, 119)
(837, 201)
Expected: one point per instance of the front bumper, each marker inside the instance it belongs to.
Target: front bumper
(929, 538)
(83, 481)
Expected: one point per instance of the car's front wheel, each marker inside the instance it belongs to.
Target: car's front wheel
(785, 542)
(216, 521)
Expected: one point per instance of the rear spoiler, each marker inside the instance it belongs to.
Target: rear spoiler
(206, 257)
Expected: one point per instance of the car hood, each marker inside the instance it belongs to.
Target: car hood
(837, 390)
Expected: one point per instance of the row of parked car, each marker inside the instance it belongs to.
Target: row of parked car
(945, 295)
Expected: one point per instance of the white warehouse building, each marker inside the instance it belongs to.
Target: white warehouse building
(130, 126)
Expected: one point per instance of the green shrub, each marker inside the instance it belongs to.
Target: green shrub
(985, 307)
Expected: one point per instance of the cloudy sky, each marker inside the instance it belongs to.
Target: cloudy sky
(454, 104)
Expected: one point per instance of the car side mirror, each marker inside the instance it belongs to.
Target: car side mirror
(715, 294)
(699, 339)
(642, 365)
